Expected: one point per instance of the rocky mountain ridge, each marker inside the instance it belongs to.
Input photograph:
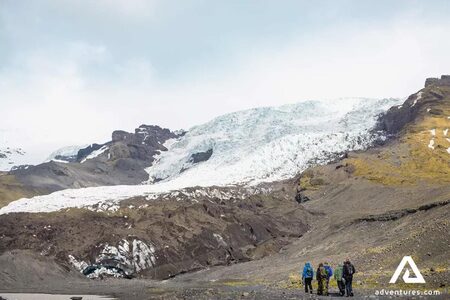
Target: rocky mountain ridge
(122, 160)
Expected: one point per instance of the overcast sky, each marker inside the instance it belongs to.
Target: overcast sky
(73, 71)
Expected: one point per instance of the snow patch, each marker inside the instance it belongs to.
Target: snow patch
(418, 97)
(11, 157)
(219, 239)
(60, 161)
(431, 144)
(433, 132)
(445, 132)
(80, 265)
(95, 153)
(105, 206)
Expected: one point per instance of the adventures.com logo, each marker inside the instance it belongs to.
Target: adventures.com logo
(416, 279)
(406, 278)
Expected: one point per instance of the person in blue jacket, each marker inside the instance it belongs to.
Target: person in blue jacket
(329, 273)
(307, 277)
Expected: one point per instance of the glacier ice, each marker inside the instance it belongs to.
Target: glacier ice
(249, 147)
(270, 143)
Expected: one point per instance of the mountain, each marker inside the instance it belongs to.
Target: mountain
(122, 160)
(247, 147)
(12, 154)
(10, 157)
(383, 195)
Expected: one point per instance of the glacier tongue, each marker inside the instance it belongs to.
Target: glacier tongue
(248, 147)
(271, 143)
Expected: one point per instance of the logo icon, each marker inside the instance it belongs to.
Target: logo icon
(418, 277)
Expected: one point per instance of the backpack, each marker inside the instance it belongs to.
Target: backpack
(351, 269)
(309, 273)
(322, 272)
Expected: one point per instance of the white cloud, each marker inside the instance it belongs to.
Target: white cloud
(142, 9)
(79, 92)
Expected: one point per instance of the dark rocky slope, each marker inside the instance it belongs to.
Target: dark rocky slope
(428, 100)
(181, 235)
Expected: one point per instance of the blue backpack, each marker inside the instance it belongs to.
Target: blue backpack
(309, 272)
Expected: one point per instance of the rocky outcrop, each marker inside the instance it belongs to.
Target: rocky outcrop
(143, 144)
(394, 120)
(201, 156)
(430, 81)
(443, 81)
(395, 215)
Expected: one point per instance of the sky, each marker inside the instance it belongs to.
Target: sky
(71, 72)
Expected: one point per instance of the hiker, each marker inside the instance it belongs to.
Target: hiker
(321, 276)
(347, 273)
(339, 279)
(307, 277)
(329, 273)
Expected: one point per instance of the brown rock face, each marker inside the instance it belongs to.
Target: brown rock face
(430, 81)
(397, 117)
(121, 136)
(119, 150)
(443, 81)
(143, 144)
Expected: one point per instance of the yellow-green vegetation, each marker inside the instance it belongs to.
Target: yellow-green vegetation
(158, 291)
(376, 250)
(236, 283)
(310, 182)
(415, 158)
(11, 189)
(295, 282)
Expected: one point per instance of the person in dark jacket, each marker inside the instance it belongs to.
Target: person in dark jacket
(321, 276)
(307, 277)
(347, 273)
(329, 272)
(340, 279)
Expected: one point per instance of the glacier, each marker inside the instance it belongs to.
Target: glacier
(269, 143)
(248, 147)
